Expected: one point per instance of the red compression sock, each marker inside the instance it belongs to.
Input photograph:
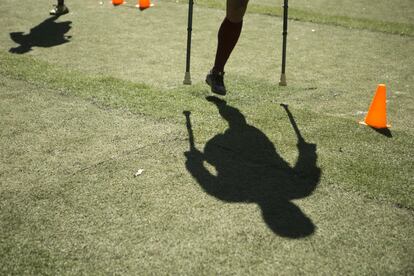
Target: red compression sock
(228, 36)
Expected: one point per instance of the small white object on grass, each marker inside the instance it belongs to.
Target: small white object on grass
(139, 172)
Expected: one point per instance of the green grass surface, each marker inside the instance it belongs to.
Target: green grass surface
(394, 17)
(382, 10)
(80, 118)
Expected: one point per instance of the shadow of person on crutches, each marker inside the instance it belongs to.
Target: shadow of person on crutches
(249, 170)
(46, 34)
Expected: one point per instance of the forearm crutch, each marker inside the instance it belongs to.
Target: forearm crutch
(285, 26)
(187, 76)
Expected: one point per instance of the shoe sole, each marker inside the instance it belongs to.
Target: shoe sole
(59, 13)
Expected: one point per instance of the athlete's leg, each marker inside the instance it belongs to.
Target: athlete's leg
(228, 36)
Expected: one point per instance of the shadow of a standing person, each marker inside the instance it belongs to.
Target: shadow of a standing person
(47, 34)
(249, 169)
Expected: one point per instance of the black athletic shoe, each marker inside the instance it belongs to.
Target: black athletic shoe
(216, 82)
(59, 10)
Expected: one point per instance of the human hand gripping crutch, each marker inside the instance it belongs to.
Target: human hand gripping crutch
(187, 76)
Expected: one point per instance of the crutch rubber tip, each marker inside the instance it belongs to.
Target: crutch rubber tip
(282, 81)
(187, 78)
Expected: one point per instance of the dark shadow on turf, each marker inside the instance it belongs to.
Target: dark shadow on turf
(249, 169)
(383, 131)
(47, 34)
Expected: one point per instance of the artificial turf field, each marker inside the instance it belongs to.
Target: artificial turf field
(90, 98)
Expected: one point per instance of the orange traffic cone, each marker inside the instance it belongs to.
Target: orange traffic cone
(377, 113)
(117, 2)
(144, 4)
